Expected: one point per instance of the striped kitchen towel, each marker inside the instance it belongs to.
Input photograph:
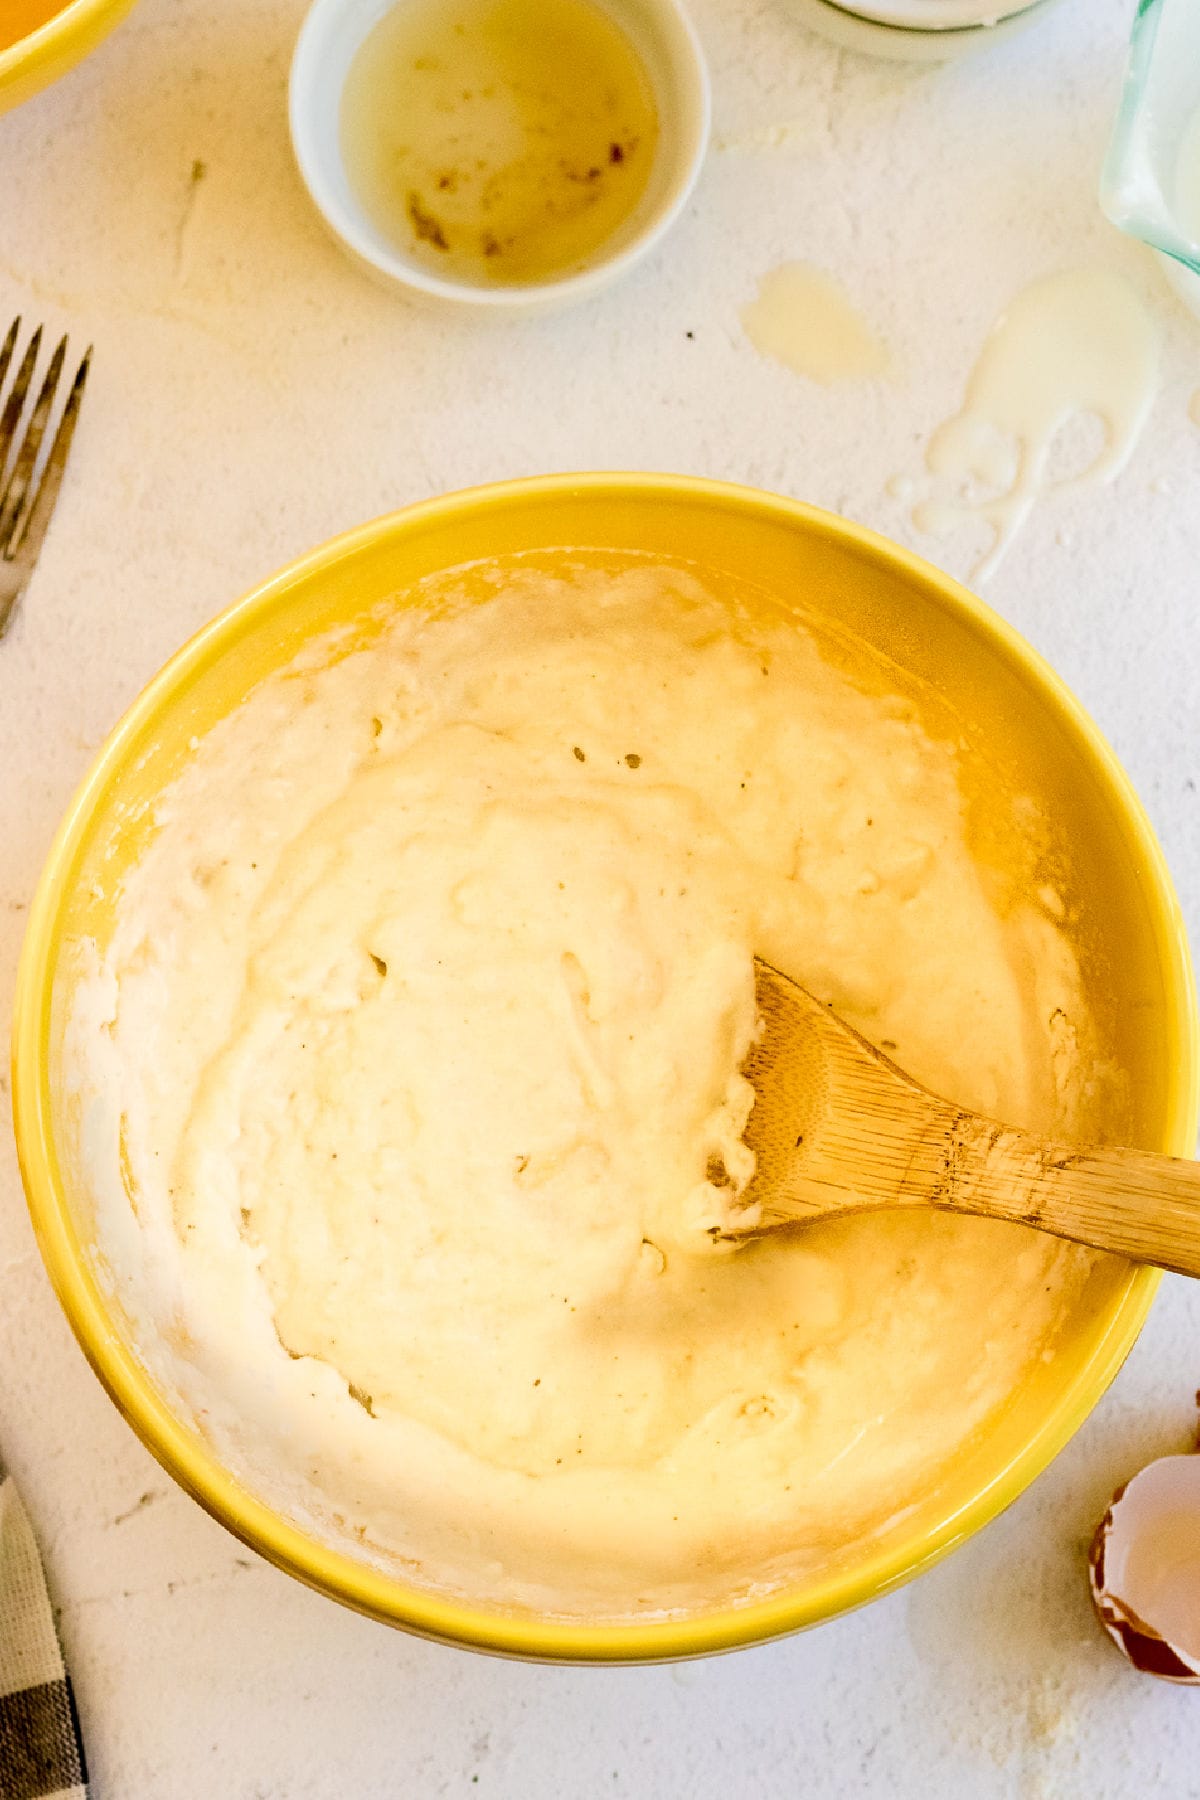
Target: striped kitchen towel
(41, 1750)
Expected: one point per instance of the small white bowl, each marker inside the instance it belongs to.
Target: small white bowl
(916, 30)
(660, 32)
(938, 15)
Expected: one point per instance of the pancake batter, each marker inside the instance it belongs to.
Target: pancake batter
(411, 1078)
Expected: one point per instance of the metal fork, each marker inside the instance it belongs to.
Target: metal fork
(28, 494)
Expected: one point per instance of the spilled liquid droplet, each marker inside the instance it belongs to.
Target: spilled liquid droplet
(937, 518)
(803, 319)
(1070, 345)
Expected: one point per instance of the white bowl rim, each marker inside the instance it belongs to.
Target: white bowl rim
(933, 15)
(512, 297)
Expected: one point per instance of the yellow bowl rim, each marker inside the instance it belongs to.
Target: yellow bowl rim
(196, 1467)
(54, 35)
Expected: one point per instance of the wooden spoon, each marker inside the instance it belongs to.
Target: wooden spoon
(838, 1128)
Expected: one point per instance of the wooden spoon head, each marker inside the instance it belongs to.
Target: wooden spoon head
(834, 1124)
(837, 1128)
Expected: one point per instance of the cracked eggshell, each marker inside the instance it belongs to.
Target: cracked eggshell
(1145, 1569)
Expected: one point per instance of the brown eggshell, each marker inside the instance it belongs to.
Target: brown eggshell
(1145, 1569)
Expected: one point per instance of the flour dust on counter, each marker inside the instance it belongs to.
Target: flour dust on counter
(410, 1081)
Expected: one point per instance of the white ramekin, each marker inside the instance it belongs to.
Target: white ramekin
(664, 38)
(917, 30)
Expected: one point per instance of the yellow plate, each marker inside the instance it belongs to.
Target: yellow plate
(40, 57)
(1134, 952)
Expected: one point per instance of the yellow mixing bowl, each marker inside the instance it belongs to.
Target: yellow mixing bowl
(1133, 954)
(40, 57)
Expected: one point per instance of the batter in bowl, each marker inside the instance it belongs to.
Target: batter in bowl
(410, 1080)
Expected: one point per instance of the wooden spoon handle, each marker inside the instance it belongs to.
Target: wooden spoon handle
(1132, 1202)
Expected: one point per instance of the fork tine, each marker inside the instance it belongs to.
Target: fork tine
(10, 418)
(8, 346)
(14, 494)
(29, 528)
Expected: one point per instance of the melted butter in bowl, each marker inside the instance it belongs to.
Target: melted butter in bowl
(499, 140)
(411, 1067)
(499, 152)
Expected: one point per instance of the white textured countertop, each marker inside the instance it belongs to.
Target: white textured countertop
(252, 393)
